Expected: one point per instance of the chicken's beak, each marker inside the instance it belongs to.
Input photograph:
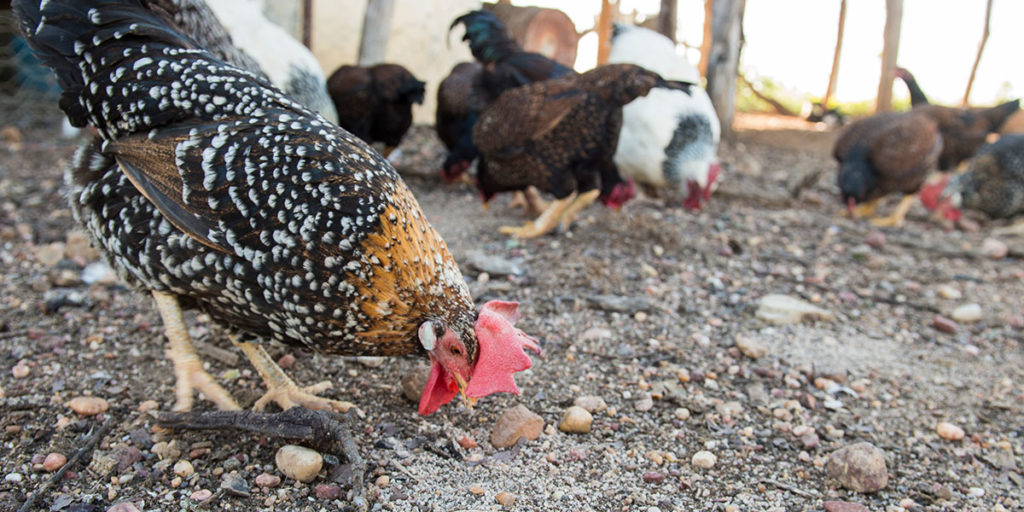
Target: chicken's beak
(459, 381)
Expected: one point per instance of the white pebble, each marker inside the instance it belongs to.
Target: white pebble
(704, 459)
(298, 462)
(183, 468)
(967, 313)
(976, 492)
(13, 477)
(949, 431)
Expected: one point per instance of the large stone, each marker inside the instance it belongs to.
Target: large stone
(859, 467)
(576, 420)
(515, 423)
(298, 462)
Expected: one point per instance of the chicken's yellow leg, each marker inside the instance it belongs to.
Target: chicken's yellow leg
(576, 207)
(188, 369)
(544, 223)
(864, 210)
(530, 200)
(897, 216)
(281, 389)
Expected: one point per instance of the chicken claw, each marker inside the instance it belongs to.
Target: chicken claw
(544, 223)
(896, 218)
(188, 368)
(282, 390)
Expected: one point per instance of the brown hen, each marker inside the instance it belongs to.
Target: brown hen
(882, 154)
(560, 136)
(375, 103)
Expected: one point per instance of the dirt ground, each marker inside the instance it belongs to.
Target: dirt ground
(642, 308)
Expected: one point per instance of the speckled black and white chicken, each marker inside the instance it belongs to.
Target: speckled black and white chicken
(994, 180)
(210, 188)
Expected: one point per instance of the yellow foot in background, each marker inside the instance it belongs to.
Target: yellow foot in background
(897, 217)
(544, 223)
(282, 390)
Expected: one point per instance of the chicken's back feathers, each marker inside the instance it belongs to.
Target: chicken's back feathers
(892, 151)
(375, 102)
(454, 103)
(214, 187)
(558, 135)
(994, 180)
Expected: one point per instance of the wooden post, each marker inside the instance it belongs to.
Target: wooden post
(667, 19)
(724, 58)
(604, 32)
(977, 58)
(705, 44)
(373, 46)
(307, 23)
(890, 53)
(835, 57)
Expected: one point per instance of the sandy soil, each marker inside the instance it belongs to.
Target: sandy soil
(641, 307)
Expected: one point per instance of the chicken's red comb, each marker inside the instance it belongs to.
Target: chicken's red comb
(931, 193)
(502, 350)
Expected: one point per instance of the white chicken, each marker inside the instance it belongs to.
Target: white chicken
(669, 138)
(287, 63)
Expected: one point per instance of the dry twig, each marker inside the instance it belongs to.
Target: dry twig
(90, 443)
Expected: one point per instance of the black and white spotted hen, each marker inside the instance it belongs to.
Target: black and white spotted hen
(210, 188)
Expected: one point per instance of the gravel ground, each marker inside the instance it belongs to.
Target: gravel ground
(652, 309)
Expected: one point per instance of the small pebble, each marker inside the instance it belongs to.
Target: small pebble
(477, 490)
(13, 477)
(591, 403)
(383, 481)
(654, 477)
(704, 459)
(751, 347)
(54, 461)
(844, 506)
(682, 414)
(467, 443)
(268, 480)
(124, 506)
(20, 370)
(644, 404)
(859, 467)
(968, 313)
(514, 423)
(505, 499)
(994, 248)
(875, 239)
(201, 495)
(183, 468)
(286, 361)
(908, 503)
(975, 492)
(576, 420)
(413, 382)
(298, 462)
(88, 405)
(328, 491)
(234, 484)
(949, 292)
(149, 405)
(949, 431)
(943, 324)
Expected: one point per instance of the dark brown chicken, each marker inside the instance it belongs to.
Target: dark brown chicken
(559, 136)
(964, 130)
(375, 103)
(455, 117)
(994, 181)
(212, 189)
(883, 154)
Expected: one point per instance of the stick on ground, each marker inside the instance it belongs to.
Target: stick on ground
(93, 439)
(324, 430)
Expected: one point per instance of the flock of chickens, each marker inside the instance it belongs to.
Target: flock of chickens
(227, 173)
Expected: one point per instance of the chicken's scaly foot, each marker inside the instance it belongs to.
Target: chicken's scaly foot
(188, 369)
(581, 202)
(544, 223)
(281, 389)
(897, 216)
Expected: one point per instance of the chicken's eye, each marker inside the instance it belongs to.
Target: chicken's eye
(456, 351)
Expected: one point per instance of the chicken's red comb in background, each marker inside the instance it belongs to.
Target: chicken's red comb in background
(502, 350)
(931, 198)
